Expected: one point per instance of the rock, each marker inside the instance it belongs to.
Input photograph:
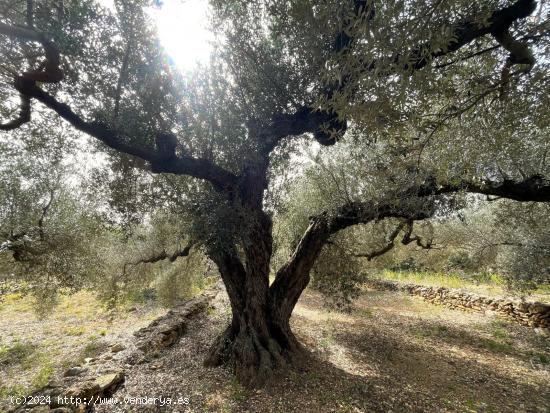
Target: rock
(89, 360)
(84, 390)
(40, 409)
(118, 347)
(61, 410)
(110, 382)
(543, 331)
(75, 371)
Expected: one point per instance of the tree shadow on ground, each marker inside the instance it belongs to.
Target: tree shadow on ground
(363, 362)
(401, 363)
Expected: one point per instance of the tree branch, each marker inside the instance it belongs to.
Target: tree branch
(389, 245)
(306, 120)
(408, 237)
(413, 204)
(23, 117)
(179, 165)
(293, 277)
(160, 257)
(535, 188)
(464, 33)
(49, 71)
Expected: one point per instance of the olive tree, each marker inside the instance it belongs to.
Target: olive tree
(396, 79)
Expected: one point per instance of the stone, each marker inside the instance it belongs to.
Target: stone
(110, 381)
(117, 348)
(543, 331)
(84, 390)
(75, 371)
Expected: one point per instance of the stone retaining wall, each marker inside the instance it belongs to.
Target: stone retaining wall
(533, 314)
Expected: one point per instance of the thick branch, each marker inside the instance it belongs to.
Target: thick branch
(408, 237)
(532, 189)
(389, 245)
(49, 71)
(317, 122)
(465, 32)
(415, 203)
(23, 117)
(179, 165)
(293, 276)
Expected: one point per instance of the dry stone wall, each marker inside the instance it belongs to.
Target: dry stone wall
(533, 314)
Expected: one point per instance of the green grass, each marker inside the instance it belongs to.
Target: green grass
(496, 346)
(238, 393)
(74, 330)
(18, 353)
(29, 358)
(17, 390)
(486, 283)
(92, 349)
(43, 375)
(432, 278)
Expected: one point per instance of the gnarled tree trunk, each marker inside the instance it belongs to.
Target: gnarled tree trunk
(259, 339)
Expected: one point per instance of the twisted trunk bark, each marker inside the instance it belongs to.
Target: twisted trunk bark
(258, 341)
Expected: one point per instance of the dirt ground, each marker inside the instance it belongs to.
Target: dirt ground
(393, 353)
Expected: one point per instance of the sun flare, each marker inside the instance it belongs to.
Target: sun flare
(183, 31)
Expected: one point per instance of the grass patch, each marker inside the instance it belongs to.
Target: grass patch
(364, 312)
(18, 353)
(540, 358)
(496, 346)
(484, 283)
(91, 350)
(74, 330)
(427, 278)
(43, 375)
(17, 390)
(238, 393)
(16, 302)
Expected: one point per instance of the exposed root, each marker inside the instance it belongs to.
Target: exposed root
(255, 359)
